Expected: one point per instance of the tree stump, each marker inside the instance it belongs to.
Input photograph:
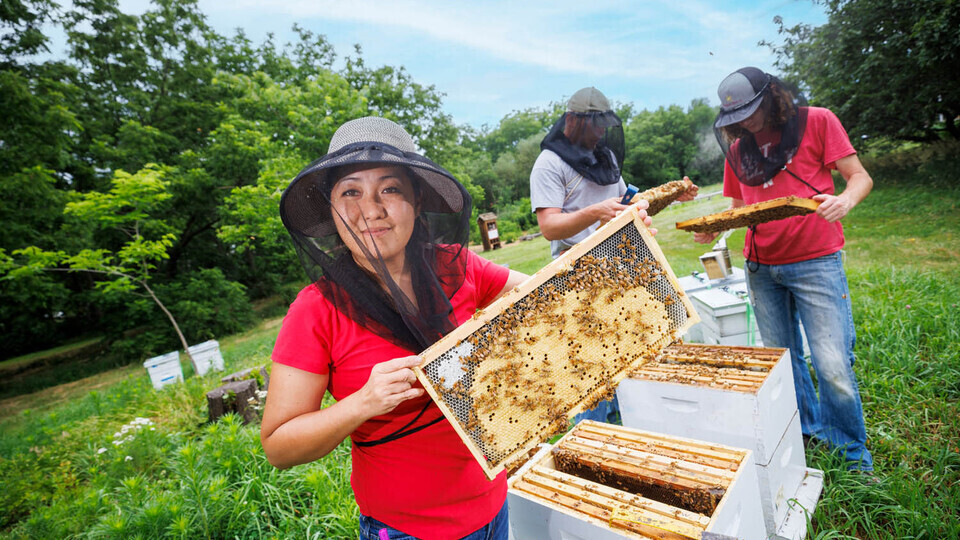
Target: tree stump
(245, 374)
(233, 397)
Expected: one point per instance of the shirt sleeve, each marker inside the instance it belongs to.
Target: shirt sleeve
(303, 341)
(489, 277)
(731, 185)
(546, 184)
(836, 142)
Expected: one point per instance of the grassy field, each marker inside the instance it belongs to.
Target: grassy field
(75, 462)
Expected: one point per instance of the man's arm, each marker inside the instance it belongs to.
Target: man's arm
(557, 225)
(836, 207)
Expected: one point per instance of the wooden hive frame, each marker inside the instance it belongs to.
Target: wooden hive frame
(753, 214)
(662, 196)
(513, 375)
(741, 369)
(678, 464)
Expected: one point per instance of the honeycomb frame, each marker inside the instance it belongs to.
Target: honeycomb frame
(560, 342)
(749, 215)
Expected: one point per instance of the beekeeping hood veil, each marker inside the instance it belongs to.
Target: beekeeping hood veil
(741, 94)
(589, 137)
(433, 253)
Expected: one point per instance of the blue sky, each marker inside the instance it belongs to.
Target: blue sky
(490, 58)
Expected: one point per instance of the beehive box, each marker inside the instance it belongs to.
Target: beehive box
(206, 355)
(556, 345)
(725, 318)
(164, 369)
(602, 481)
(740, 396)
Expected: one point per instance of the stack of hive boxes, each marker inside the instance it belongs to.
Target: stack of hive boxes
(737, 396)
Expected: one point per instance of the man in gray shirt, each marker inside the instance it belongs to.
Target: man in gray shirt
(575, 185)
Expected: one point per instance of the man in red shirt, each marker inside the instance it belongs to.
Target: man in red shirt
(775, 148)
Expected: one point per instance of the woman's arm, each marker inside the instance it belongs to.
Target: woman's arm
(296, 430)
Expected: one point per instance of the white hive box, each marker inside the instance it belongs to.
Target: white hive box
(725, 317)
(698, 281)
(164, 369)
(616, 488)
(738, 396)
(206, 355)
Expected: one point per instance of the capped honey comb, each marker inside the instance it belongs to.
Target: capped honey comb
(558, 344)
(753, 214)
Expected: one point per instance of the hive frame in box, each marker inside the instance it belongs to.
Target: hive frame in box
(637, 305)
(547, 502)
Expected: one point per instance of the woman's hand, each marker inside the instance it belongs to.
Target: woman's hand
(390, 384)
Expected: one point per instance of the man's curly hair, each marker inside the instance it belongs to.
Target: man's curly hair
(778, 107)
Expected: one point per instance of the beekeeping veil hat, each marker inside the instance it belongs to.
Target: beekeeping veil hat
(741, 94)
(589, 137)
(433, 253)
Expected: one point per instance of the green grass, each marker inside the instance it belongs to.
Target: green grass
(185, 478)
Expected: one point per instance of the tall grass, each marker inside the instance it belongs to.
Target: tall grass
(62, 476)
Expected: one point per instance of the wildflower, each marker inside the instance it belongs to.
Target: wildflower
(101, 450)
(128, 458)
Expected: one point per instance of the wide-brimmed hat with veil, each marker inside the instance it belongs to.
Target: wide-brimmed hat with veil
(433, 254)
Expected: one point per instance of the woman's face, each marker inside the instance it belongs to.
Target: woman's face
(379, 205)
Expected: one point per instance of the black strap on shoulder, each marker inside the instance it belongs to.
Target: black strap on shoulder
(403, 431)
(791, 173)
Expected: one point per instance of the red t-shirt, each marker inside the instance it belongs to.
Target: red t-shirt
(426, 484)
(798, 238)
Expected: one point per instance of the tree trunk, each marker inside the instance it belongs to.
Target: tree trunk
(183, 340)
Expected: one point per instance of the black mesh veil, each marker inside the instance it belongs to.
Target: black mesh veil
(752, 164)
(433, 253)
(590, 142)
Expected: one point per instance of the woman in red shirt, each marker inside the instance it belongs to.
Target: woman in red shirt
(382, 232)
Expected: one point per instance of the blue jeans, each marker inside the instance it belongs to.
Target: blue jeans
(816, 293)
(605, 411)
(497, 529)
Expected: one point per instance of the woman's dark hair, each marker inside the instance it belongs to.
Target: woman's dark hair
(778, 108)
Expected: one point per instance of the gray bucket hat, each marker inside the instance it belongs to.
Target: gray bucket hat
(741, 93)
(305, 206)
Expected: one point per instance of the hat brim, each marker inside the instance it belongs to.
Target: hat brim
(726, 118)
(305, 206)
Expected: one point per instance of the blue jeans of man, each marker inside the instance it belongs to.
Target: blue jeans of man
(815, 292)
(497, 529)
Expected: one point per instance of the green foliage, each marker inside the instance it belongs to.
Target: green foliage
(669, 143)
(867, 63)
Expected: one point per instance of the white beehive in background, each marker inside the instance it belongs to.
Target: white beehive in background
(164, 369)
(206, 355)
(738, 396)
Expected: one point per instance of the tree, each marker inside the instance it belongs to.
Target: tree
(129, 208)
(885, 67)
(668, 144)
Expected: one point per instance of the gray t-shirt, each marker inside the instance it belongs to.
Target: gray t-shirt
(554, 184)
